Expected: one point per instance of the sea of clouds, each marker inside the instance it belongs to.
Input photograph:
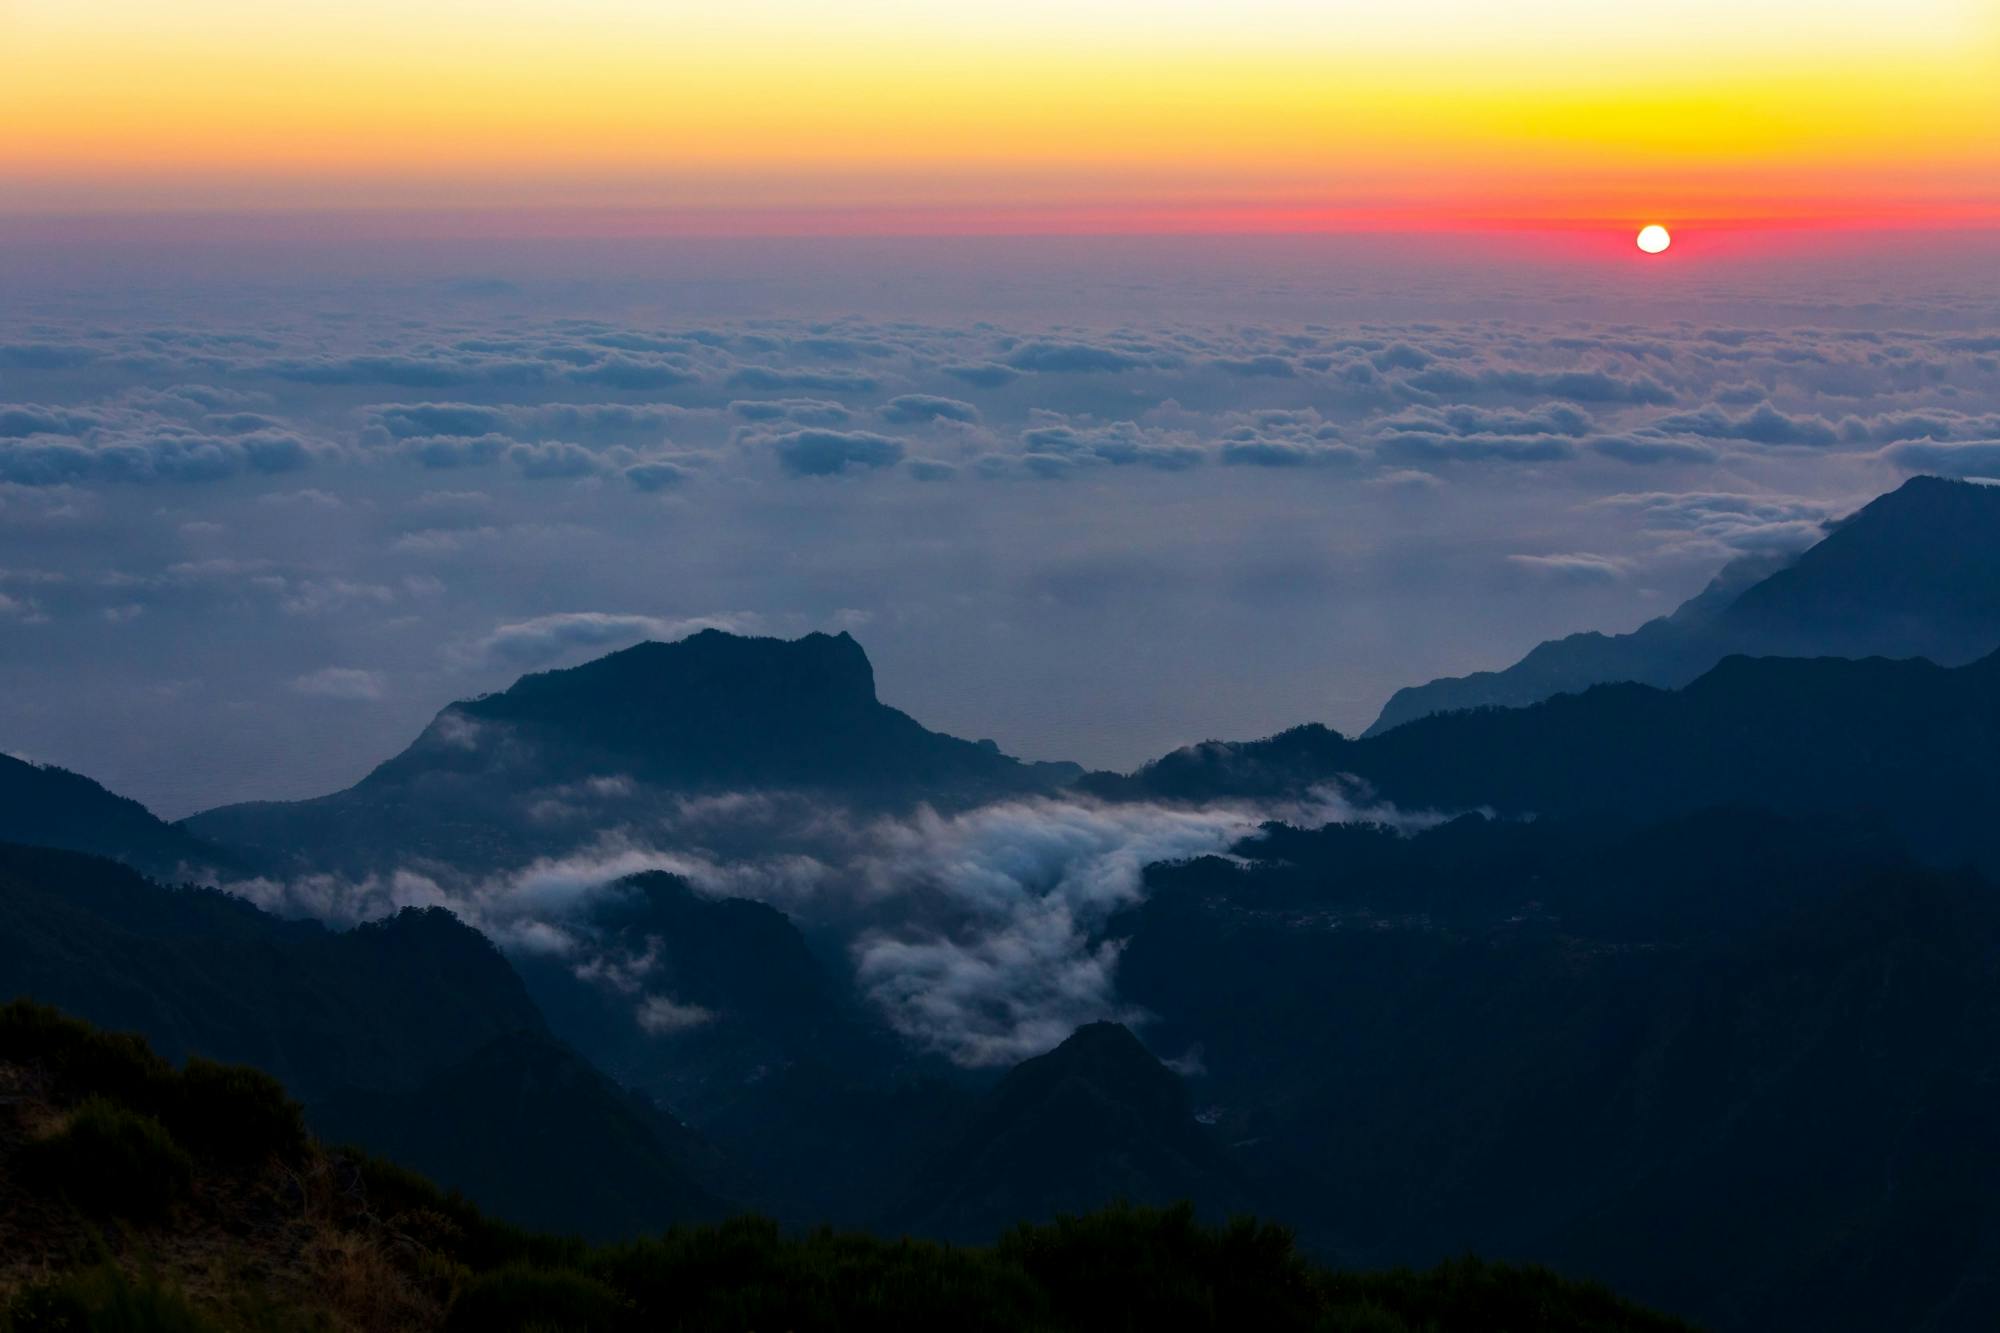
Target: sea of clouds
(263, 514)
(254, 533)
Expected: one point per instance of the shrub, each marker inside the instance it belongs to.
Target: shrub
(1126, 1267)
(237, 1115)
(111, 1161)
(450, 1221)
(520, 1298)
(102, 1300)
(1474, 1293)
(232, 1113)
(83, 1060)
(746, 1274)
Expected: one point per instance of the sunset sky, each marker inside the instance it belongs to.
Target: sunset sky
(356, 357)
(1021, 116)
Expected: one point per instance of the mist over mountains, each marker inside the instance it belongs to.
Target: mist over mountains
(648, 735)
(1682, 978)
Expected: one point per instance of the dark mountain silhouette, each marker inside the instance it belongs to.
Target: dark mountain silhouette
(694, 998)
(1916, 744)
(1915, 573)
(1097, 1119)
(52, 807)
(1742, 1065)
(418, 1013)
(719, 1008)
(539, 1137)
(622, 741)
(822, 1142)
(200, 972)
(137, 1196)
(1704, 1003)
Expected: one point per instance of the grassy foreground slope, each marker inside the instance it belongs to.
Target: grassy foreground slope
(135, 1196)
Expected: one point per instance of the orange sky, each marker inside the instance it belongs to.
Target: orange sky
(896, 115)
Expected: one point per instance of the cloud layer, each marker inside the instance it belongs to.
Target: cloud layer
(1093, 522)
(975, 936)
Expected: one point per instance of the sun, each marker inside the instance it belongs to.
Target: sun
(1654, 238)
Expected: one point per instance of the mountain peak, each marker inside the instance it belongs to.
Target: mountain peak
(1925, 489)
(554, 759)
(1913, 573)
(1923, 500)
(725, 710)
(812, 671)
(44, 806)
(1101, 1050)
(1097, 1118)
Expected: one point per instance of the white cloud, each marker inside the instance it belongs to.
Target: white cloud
(661, 1016)
(341, 683)
(545, 638)
(1014, 970)
(1577, 565)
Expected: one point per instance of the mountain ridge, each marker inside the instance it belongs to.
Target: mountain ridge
(1737, 1064)
(45, 806)
(402, 1013)
(619, 741)
(265, 1227)
(1904, 739)
(1097, 1118)
(1913, 573)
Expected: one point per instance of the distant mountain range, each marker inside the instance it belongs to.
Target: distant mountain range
(1741, 1066)
(1685, 979)
(712, 995)
(619, 742)
(540, 1137)
(1914, 744)
(1097, 1118)
(1915, 573)
(414, 1037)
(135, 1196)
(411, 1035)
(51, 807)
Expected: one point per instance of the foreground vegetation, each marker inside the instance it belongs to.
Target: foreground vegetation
(139, 1197)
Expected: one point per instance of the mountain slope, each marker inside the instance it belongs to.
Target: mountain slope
(1096, 1120)
(1914, 573)
(201, 972)
(1740, 1066)
(53, 807)
(296, 1235)
(1916, 744)
(625, 741)
(418, 1012)
(580, 1155)
(692, 998)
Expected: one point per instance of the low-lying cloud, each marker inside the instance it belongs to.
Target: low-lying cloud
(974, 935)
(546, 638)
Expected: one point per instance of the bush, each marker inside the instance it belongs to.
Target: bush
(1122, 1268)
(452, 1223)
(746, 1274)
(237, 1115)
(232, 1113)
(102, 1300)
(1474, 1293)
(1137, 1268)
(112, 1161)
(83, 1060)
(521, 1299)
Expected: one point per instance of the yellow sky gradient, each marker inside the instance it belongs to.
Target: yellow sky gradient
(1548, 109)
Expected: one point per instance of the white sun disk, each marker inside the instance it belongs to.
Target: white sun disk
(1654, 238)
